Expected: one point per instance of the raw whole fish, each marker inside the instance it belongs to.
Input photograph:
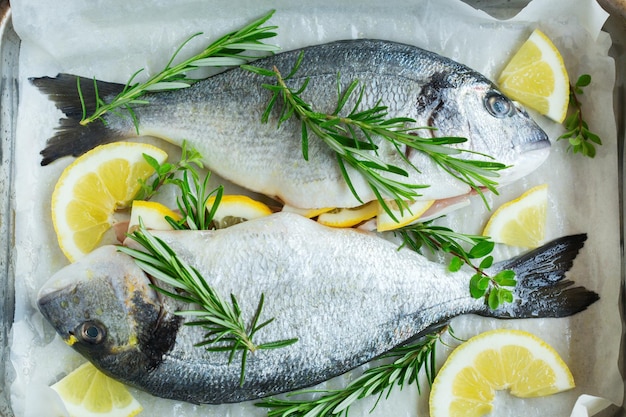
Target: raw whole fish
(347, 296)
(221, 117)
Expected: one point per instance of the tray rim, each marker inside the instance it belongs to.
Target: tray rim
(9, 93)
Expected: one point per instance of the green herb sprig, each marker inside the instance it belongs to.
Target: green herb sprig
(407, 362)
(226, 51)
(223, 321)
(494, 288)
(166, 172)
(581, 139)
(194, 194)
(350, 137)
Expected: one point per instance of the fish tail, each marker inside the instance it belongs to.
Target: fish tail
(71, 137)
(541, 289)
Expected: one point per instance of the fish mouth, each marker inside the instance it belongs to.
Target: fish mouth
(531, 156)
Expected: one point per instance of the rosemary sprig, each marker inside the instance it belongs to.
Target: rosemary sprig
(408, 361)
(226, 51)
(350, 137)
(223, 321)
(440, 238)
(581, 139)
(192, 202)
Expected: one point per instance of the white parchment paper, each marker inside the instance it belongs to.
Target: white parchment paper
(112, 39)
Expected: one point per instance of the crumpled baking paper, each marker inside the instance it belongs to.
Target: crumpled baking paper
(112, 39)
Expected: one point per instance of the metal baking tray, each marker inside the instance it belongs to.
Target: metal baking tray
(9, 93)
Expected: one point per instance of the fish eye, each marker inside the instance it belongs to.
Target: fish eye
(92, 332)
(498, 106)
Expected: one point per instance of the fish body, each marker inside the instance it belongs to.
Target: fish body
(347, 296)
(221, 117)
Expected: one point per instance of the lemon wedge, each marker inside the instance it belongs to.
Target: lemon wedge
(349, 217)
(536, 77)
(87, 392)
(406, 216)
(496, 360)
(308, 213)
(234, 209)
(152, 214)
(92, 188)
(521, 222)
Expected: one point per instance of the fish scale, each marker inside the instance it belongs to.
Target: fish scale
(347, 296)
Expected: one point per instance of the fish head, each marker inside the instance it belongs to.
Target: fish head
(104, 307)
(466, 104)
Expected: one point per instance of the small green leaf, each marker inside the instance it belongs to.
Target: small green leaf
(151, 161)
(483, 283)
(575, 141)
(486, 262)
(494, 300)
(507, 296)
(481, 249)
(594, 138)
(455, 264)
(165, 169)
(583, 81)
(477, 289)
(505, 278)
(589, 149)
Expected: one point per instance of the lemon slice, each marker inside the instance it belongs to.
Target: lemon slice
(348, 217)
(536, 77)
(234, 209)
(496, 360)
(408, 215)
(152, 214)
(92, 188)
(87, 392)
(521, 222)
(308, 213)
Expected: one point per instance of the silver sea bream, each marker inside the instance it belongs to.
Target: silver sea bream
(347, 296)
(221, 117)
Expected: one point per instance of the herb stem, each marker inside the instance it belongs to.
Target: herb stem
(406, 362)
(226, 51)
(581, 139)
(350, 137)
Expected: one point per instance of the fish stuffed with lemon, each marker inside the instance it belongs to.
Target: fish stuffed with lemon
(221, 117)
(346, 296)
